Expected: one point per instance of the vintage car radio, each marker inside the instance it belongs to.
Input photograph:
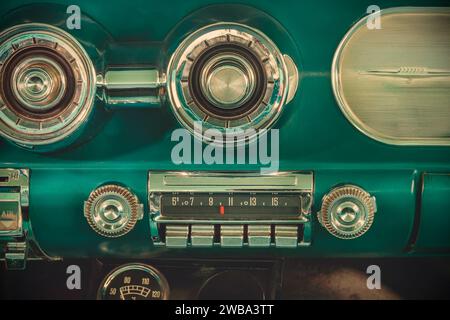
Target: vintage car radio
(115, 137)
(230, 209)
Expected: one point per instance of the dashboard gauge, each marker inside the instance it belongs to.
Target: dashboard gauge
(134, 282)
(229, 76)
(47, 85)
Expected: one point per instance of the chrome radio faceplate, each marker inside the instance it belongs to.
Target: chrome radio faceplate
(205, 209)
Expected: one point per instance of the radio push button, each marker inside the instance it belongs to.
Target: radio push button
(259, 235)
(202, 235)
(286, 236)
(232, 236)
(177, 236)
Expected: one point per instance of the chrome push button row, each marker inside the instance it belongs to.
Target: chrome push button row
(235, 236)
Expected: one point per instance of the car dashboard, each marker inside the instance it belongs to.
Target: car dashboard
(179, 149)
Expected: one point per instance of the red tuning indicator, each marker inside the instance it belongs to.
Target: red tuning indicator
(222, 209)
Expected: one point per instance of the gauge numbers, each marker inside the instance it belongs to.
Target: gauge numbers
(134, 282)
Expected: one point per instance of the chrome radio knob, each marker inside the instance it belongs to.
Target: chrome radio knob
(112, 210)
(347, 212)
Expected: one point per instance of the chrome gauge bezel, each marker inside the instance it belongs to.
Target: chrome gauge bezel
(30, 131)
(152, 271)
(274, 65)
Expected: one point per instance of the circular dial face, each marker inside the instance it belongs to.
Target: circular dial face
(134, 282)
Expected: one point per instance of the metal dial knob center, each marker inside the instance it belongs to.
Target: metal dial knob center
(111, 210)
(36, 85)
(227, 85)
(228, 81)
(347, 212)
(39, 83)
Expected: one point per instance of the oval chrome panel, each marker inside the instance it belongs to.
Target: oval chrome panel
(393, 83)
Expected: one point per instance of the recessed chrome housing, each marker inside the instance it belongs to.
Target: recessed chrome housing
(47, 85)
(229, 75)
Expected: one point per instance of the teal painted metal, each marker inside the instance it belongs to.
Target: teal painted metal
(433, 233)
(122, 145)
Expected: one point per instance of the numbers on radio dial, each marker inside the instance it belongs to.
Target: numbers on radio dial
(274, 201)
(251, 201)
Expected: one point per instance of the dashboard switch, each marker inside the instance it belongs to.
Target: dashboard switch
(259, 236)
(10, 213)
(13, 200)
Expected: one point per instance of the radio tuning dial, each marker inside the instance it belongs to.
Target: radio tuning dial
(347, 212)
(112, 210)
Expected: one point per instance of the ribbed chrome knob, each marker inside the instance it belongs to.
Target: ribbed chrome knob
(112, 210)
(347, 212)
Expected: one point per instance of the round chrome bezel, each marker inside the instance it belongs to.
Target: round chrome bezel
(40, 131)
(274, 66)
